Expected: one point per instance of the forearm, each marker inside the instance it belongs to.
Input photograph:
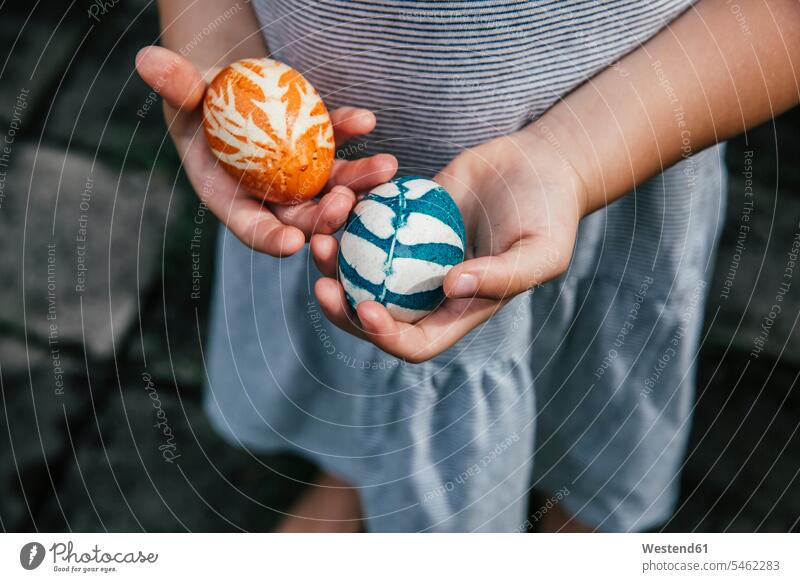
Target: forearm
(211, 33)
(710, 75)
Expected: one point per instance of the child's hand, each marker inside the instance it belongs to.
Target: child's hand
(521, 203)
(272, 229)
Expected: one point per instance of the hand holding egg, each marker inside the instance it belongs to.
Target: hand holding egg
(401, 241)
(269, 128)
(520, 209)
(275, 229)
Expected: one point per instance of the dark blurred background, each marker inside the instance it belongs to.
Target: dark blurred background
(98, 316)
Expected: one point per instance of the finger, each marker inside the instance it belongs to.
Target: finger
(333, 302)
(251, 221)
(325, 250)
(379, 324)
(529, 262)
(348, 122)
(170, 75)
(401, 340)
(325, 216)
(416, 343)
(247, 218)
(258, 228)
(438, 332)
(365, 173)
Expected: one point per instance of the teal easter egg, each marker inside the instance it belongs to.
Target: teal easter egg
(398, 245)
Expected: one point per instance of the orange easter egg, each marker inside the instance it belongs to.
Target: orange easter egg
(269, 128)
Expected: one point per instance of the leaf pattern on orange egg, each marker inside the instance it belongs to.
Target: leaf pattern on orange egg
(293, 85)
(268, 125)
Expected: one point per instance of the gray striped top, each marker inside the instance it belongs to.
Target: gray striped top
(444, 76)
(441, 77)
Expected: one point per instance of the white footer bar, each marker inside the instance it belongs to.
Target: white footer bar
(400, 557)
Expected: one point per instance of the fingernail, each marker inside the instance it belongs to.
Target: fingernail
(366, 322)
(466, 285)
(141, 55)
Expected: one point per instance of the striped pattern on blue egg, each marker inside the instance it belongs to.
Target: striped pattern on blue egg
(400, 242)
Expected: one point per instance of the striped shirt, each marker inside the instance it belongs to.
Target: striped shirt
(444, 76)
(441, 77)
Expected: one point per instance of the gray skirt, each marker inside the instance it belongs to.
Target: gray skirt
(582, 388)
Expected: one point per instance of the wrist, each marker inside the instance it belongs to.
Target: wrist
(559, 137)
(538, 154)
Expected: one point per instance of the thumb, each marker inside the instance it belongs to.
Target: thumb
(529, 262)
(170, 75)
